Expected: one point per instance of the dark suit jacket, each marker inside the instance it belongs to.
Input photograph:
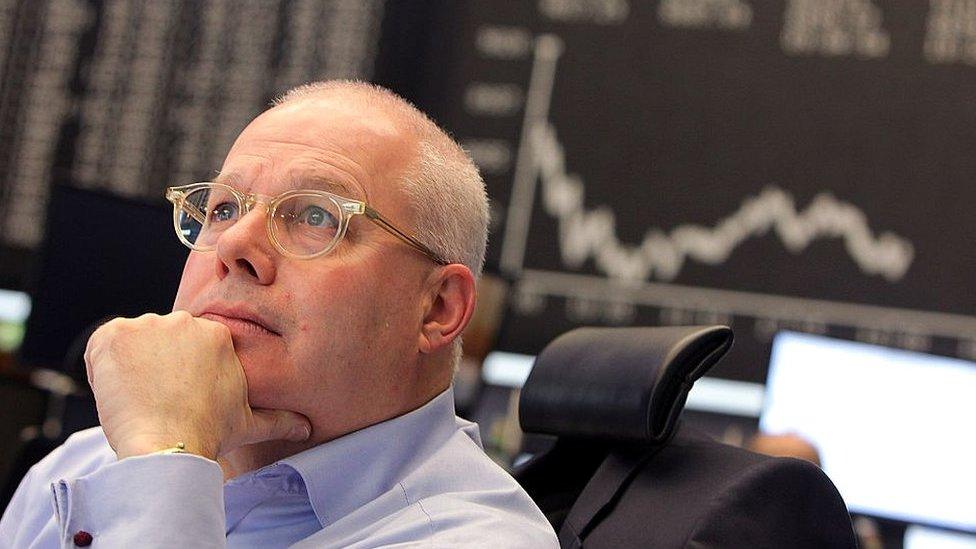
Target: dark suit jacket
(698, 493)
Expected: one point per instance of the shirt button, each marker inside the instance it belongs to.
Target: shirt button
(82, 538)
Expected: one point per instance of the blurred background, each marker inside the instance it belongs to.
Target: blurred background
(800, 170)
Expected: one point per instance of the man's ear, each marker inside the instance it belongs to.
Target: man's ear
(449, 309)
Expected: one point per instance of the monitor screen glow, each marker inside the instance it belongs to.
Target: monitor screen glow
(894, 428)
(14, 309)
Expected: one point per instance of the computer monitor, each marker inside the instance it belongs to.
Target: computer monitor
(14, 308)
(894, 428)
(102, 255)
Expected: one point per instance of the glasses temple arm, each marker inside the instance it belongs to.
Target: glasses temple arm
(179, 200)
(194, 213)
(375, 217)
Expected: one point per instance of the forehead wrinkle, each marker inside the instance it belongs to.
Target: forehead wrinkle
(330, 167)
(287, 140)
(294, 179)
(232, 179)
(351, 154)
(305, 178)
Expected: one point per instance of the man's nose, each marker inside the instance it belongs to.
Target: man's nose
(244, 249)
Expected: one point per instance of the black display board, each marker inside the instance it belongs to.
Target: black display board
(102, 256)
(132, 96)
(800, 165)
(114, 100)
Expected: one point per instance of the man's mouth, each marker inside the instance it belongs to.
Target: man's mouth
(240, 323)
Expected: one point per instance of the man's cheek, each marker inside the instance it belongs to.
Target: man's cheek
(267, 379)
(191, 282)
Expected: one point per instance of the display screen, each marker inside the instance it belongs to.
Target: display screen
(14, 308)
(106, 256)
(762, 165)
(893, 428)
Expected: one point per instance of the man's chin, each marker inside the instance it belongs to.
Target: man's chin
(266, 387)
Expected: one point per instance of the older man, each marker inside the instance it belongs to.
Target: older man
(300, 391)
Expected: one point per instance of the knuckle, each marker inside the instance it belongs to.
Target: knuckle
(181, 315)
(122, 325)
(139, 322)
(105, 333)
(110, 325)
(90, 350)
(89, 370)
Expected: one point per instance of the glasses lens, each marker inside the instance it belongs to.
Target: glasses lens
(206, 213)
(306, 225)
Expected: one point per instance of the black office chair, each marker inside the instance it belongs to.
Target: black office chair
(622, 474)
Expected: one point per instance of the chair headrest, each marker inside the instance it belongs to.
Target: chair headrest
(626, 384)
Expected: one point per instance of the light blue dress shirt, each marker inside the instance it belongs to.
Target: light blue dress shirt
(419, 480)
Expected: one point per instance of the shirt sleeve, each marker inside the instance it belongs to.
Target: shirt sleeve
(21, 523)
(173, 500)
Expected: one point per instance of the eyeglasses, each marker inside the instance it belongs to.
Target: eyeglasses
(302, 224)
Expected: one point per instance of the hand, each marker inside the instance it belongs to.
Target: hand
(160, 380)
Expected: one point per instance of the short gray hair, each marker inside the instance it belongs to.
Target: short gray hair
(444, 187)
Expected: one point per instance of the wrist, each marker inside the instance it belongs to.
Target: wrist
(161, 445)
(180, 448)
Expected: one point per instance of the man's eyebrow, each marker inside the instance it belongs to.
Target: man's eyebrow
(307, 181)
(231, 179)
(297, 181)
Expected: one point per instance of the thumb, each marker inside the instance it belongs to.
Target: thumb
(277, 425)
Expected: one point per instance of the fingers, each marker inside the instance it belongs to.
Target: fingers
(106, 329)
(88, 359)
(278, 425)
(139, 367)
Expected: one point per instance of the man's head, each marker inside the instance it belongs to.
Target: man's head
(370, 330)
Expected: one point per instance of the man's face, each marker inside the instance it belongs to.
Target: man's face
(331, 337)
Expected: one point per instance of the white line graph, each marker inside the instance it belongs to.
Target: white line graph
(585, 234)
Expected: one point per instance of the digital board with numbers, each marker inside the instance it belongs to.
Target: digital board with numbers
(796, 164)
(791, 164)
(131, 96)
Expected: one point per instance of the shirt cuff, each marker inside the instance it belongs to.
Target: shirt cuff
(171, 499)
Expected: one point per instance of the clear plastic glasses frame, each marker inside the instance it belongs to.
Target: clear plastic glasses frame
(345, 207)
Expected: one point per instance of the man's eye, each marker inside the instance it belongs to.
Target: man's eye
(315, 216)
(224, 212)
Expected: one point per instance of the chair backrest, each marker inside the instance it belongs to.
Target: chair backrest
(622, 474)
(599, 389)
(618, 384)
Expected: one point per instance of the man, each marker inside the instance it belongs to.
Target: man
(299, 394)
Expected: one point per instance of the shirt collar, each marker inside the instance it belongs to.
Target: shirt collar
(346, 473)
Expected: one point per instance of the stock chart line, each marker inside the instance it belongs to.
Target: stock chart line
(586, 234)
